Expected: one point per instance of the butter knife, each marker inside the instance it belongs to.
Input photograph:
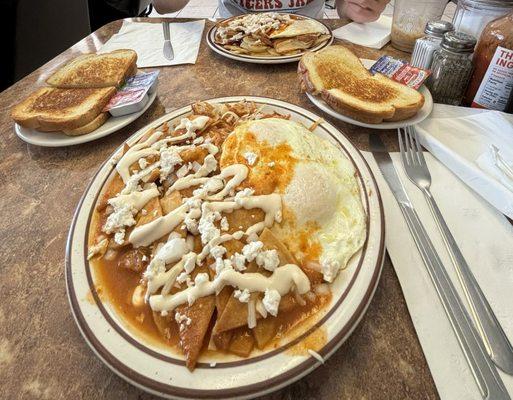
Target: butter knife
(167, 50)
(484, 371)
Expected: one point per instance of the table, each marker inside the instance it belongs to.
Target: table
(42, 354)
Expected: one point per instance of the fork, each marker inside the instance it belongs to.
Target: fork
(489, 328)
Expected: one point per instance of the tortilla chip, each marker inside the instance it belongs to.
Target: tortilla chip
(242, 342)
(265, 331)
(153, 211)
(222, 339)
(193, 335)
(270, 242)
(171, 201)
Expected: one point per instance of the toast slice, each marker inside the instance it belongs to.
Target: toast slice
(51, 109)
(338, 76)
(96, 70)
(88, 128)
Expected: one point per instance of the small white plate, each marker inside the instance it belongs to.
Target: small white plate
(56, 139)
(261, 60)
(420, 116)
(161, 371)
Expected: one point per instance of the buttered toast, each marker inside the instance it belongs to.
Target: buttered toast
(96, 70)
(338, 76)
(51, 109)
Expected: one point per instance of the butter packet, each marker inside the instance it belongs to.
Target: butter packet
(133, 95)
(400, 71)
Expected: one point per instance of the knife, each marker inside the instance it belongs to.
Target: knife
(168, 47)
(484, 371)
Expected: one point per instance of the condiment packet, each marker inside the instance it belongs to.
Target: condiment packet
(400, 71)
(142, 80)
(133, 95)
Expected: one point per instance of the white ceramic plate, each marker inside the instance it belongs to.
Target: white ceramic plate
(160, 371)
(420, 116)
(260, 59)
(54, 139)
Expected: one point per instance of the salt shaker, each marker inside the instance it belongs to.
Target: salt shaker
(426, 46)
(451, 68)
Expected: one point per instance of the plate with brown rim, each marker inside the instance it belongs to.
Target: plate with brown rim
(421, 115)
(59, 139)
(257, 58)
(155, 368)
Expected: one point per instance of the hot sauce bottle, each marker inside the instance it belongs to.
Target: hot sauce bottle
(491, 85)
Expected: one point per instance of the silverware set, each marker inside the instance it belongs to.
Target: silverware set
(479, 334)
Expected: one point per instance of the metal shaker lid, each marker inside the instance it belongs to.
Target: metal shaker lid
(458, 42)
(438, 28)
(494, 3)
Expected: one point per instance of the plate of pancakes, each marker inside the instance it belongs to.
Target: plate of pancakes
(225, 250)
(268, 38)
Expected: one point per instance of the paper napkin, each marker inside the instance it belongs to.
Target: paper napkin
(485, 238)
(373, 34)
(147, 39)
(461, 138)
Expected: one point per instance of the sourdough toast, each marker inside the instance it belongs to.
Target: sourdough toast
(51, 109)
(339, 77)
(96, 70)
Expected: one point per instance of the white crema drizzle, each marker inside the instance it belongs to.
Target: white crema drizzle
(146, 234)
(211, 198)
(132, 198)
(271, 204)
(134, 153)
(150, 145)
(282, 280)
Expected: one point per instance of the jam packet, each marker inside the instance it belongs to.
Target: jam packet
(133, 95)
(400, 71)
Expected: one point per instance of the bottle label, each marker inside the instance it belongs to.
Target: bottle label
(497, 83)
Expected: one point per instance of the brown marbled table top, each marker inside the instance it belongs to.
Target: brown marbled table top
(42, 354)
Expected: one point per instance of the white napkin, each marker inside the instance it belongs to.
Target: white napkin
(147, 39)
(485, 238)
(373, 34)
(460, 138)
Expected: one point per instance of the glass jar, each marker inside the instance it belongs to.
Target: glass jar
(426, 46)
(491, 85)
(451, 68)
(410, 18)
(471, 16)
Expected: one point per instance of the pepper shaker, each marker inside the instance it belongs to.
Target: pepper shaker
(426, 46)
(451, 68)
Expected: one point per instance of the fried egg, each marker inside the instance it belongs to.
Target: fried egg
(300, 27)
(324, 222)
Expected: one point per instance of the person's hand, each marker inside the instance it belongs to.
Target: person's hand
(362, 10)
